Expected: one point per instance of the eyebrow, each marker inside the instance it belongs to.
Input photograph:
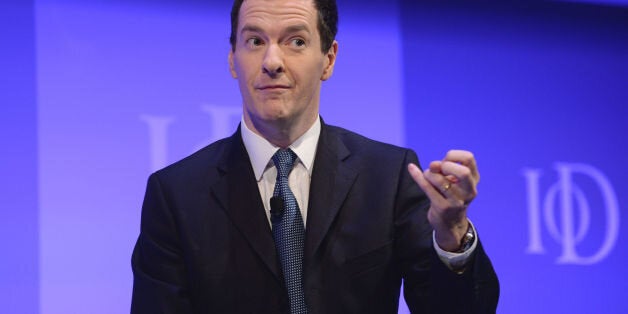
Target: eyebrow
(290, 29)
(297, 28)
(250, 28)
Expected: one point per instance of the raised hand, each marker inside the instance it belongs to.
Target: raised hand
(451, 185)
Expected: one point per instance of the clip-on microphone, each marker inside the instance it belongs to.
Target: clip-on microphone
(276, 209)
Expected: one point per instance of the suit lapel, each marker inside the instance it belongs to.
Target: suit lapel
(331, 182)
(238, 194)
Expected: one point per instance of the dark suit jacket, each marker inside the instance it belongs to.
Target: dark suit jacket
(206, 245)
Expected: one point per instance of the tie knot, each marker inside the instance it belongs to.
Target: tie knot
(284, 160)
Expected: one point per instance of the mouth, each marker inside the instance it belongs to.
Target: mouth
(272, 87)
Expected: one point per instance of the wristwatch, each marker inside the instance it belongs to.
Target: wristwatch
(467, 240)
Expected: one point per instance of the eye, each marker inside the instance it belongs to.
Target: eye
(254, 42)
(297, 42)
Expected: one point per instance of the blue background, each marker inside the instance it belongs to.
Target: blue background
(95, 95)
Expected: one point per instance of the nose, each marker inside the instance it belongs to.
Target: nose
(273, 61)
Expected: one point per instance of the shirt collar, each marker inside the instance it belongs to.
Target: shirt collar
(261, 151)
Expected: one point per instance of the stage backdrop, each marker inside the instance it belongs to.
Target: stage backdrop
(96, 95)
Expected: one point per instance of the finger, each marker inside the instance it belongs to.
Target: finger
(435, 166)
(465, 158)
(466, 187)
(451, 193)
(432, 193)
(461, 172)
(440, 182)
(461, 156)
(451, 178)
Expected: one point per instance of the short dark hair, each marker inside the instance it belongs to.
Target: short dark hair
(327, 22)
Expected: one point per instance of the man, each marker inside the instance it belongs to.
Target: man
(290, 215)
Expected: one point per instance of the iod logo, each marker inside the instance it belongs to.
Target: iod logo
(574, 212)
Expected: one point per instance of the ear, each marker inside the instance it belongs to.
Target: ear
(234, 74)
(330, 61)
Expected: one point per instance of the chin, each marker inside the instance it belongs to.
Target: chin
(279, 117)
(270, 116)
(274, 111)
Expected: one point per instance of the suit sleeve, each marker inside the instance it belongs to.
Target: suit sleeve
(429, 286)
(159, 275)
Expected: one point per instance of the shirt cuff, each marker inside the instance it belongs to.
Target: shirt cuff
(456, 261)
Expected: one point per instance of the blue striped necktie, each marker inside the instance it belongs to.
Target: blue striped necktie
(289, 232)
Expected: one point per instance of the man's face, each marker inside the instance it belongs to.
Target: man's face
(279, 64)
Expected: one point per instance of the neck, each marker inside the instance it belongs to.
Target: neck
(282, 132)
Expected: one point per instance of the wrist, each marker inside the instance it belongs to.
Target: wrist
(467, 240)
(457, 238)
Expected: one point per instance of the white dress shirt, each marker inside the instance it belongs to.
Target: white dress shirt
(261, 152)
